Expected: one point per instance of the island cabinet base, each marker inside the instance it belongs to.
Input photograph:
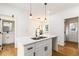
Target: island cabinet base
(41, 48)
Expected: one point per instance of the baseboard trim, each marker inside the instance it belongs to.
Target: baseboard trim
(8, 44)
(72, 42)
(61, 44)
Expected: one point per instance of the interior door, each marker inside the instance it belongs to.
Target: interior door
(0, 33)
(72, 30)
(73, 36)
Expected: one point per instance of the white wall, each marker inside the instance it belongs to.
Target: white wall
(20, 18)
(57, 22)
(33, 24)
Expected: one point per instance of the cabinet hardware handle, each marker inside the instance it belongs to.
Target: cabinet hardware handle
(0, 18)
(46, 47)
(30, 48)
(0, 32)
(0, 45)
(34, 54)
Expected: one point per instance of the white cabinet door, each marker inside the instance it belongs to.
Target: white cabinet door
(39, 48)
(47, 47)
(39, 52)
(8, 38)
(29, 50)
(44, 48)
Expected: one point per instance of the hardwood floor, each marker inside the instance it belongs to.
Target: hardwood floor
(8, 50)
(71, 44)
(69, 49)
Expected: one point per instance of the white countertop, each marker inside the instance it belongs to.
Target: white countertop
(27, 39)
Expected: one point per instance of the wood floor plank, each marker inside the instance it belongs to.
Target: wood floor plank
(8, 50)
(69, 49)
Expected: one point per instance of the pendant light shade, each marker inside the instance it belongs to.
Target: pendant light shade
(45, 3)
(45, 18)
(30, 14)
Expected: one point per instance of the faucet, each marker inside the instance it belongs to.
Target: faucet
(38, 32)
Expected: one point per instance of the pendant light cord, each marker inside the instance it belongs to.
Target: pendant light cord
(30, 9)
(45, 10)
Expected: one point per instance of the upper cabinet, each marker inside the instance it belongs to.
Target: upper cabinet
(5, 17)
(7, 29)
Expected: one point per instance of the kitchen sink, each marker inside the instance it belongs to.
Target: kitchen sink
(38, 38)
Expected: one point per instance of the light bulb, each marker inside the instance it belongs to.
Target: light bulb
(45, 21)
(30, 17)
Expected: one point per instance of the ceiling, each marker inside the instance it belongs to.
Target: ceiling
(38, 8)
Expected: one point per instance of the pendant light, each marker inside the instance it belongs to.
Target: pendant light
(30, 16)
(45, 11)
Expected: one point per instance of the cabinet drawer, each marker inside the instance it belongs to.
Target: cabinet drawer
(39, 44)
(49, 43)
(39, 53)
(29, 48)
(29, 54)
(42, 44)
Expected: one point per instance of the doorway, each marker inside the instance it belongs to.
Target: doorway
(71, 31)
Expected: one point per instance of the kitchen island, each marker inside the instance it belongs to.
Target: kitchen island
(26, 46)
